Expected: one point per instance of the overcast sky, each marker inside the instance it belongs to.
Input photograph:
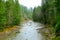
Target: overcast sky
(30, 3)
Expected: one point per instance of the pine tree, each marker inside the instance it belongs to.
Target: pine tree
(16, 15)
(3, 19)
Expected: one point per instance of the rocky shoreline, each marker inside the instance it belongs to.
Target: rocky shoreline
(47, 32)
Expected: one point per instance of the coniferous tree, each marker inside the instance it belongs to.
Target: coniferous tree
(3, 19)
(9, 13)
(16, 15)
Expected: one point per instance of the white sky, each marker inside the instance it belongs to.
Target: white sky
(30, 3)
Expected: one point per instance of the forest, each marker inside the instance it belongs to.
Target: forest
(12, 14)
(48, 14)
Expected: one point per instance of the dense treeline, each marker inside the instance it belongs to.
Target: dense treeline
(37, 14)
(26, 13)
(9, 13)
(48, 10)
(49, 14)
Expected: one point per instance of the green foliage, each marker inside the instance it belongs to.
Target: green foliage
(26, 13)
(56, 38)
(57, 15)
(16, 15)
(37, 14)
(3, 19)
(49, 13)
(9, 13)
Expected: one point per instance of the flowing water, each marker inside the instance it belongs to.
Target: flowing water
(27, 32)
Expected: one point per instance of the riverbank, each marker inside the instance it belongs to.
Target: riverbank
(8, 31)
(27, 32)
(47, 32)
(28, 28)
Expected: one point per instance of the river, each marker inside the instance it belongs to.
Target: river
(28, 31)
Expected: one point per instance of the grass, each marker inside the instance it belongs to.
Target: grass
(56, 38)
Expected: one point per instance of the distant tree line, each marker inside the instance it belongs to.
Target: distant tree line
(9, 13)
(26, 13)
(49, 13)
(37, 14)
